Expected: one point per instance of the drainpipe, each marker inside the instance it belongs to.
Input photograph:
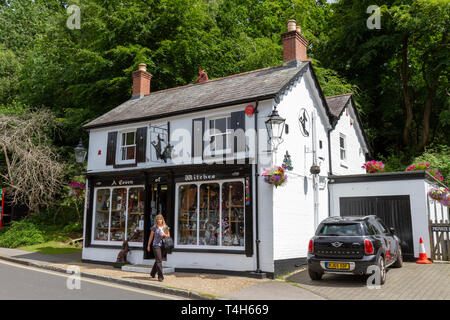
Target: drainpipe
(257, 240)
(315, 176)
(330, 170)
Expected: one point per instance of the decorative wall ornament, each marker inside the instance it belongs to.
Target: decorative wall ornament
(304, 122)
(162, 154)
(287, 162)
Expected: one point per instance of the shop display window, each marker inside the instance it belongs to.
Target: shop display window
(135, 223)
(188, 218)
(233, 214)
(211, 214)
(209, 223)
(119, 214)
(101, 222)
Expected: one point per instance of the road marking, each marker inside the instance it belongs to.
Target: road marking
(99, 282)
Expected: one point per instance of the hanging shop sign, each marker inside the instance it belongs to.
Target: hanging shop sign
(304, 122)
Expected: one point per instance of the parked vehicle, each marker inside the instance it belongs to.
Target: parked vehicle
(350, 245)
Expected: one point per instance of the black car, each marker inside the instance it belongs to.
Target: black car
(350, 245)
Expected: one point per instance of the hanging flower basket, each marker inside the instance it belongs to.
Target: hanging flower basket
(427, 167)
(437, 193)
(274, 176)
(373, 166)
(77, 188)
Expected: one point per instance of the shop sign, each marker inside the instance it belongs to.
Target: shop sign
(119, 182)
(199, 177)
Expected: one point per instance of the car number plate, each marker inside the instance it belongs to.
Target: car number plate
(335, 265)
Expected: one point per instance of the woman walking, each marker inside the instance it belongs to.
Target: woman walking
(159, 231)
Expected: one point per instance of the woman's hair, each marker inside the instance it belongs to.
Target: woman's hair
(160, 216)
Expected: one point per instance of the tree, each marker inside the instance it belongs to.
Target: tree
(30, 168)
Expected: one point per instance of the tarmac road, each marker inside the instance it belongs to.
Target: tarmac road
(25, 283)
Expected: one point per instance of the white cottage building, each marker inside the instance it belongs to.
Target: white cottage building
(196, 154)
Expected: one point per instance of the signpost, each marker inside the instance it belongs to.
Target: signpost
(2, 202)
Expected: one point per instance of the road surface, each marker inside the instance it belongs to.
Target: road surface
(23, 282)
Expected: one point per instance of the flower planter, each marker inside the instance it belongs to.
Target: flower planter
(275, 176)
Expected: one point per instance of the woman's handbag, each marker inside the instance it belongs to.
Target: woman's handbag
(168, 244)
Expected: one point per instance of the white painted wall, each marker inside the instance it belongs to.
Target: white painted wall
(355, 148)
(293, 203)
(180, 131)
(414, 188)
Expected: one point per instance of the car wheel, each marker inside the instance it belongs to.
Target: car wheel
(315, 275)
(399, 262)
(382, 267)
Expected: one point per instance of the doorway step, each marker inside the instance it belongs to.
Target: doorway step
(144, 268)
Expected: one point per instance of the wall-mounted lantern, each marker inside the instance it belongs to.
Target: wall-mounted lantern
(275, 128)
(80, 152)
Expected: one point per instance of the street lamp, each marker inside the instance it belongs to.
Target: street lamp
(80, 152)
(275, 127)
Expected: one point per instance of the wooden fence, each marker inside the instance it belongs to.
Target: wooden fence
(440, 240)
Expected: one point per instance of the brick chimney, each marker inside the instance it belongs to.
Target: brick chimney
(294, 44)
(141, 82)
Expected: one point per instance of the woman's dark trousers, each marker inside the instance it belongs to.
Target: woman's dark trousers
(157, 267)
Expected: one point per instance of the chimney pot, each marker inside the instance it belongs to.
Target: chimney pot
(142, 67)
(299, 30)
(291, 25)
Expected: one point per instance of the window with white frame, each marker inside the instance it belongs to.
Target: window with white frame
(343, 147)
(211, 215)
(220, 135)
(119, 215)
(127, 150)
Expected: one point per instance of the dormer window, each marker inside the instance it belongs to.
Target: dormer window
(127, 146)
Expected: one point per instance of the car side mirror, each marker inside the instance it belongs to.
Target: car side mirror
(392, 230)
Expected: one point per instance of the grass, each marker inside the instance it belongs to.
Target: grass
(52, 247)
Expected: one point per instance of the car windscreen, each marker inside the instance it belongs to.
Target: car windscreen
(340, 229)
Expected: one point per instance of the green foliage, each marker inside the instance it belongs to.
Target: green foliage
(439, 158)
(21, 233)
(73, 228)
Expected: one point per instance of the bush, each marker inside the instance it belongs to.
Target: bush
(438, 157)
(73, 227)
(21, 233)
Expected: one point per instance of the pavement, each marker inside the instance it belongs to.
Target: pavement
(413, 281)
(196, 286)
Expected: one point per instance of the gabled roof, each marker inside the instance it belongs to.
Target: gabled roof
(338, 103)
(245, 87)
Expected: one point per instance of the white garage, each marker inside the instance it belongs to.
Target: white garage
(399, 198)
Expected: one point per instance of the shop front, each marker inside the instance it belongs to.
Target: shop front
(208, 209)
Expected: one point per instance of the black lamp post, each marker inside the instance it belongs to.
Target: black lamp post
(275, 127)
(80, 152)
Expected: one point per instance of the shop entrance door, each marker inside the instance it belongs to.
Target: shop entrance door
(158, 197)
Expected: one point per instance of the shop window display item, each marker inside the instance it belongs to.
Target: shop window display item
(102, 215)
(187, 227)
(233, 214)
(209, 214)
(135, 224)
(118, 214)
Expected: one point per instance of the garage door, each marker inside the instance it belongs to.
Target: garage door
(395, 211)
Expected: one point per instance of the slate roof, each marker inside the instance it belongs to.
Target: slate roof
(337, 103)
(240, 88)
